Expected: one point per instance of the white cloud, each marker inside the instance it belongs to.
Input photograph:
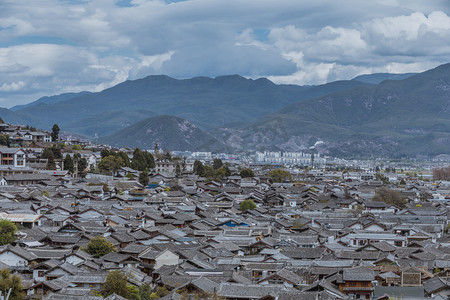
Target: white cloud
(12, 87)
(58, 46)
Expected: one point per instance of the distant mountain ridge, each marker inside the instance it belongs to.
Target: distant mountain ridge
(168, 131)
(207, 102)
(396, 117)
(377, 78)
(50, 100)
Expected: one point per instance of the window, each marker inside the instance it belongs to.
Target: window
(398, 243)
(276, 281)
(51, 277)
(40, 273)
(352, 283)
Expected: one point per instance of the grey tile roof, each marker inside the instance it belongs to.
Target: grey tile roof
(248, 291)
(134, 248)
(49, 253)
(435, 284)
(358, 274)
(19, 251)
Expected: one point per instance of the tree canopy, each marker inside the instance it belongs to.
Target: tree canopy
(55, 150)
(223, 171)
(7, 232)
(198, 168)
(116, 283)
(143, 178)
(110, 163)
(68, 163)
(13, 282)
(245, 173)
(280, 175)
(99, 246)
(81, 162)
(217, 163)
(247, 204)
(4, 140)
(389, 197)
(142, 160)
(51, 165)
(55, 132)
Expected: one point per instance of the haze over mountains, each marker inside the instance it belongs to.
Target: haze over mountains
(367, 116)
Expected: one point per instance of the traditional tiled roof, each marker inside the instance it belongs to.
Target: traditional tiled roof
(358, 274)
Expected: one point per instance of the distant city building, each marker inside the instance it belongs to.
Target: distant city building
(201, 155)
(292, 158)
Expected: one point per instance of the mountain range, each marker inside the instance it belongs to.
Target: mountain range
(372, 115)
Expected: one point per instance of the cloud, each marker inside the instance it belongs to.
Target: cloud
(12, 87)
(56, 46)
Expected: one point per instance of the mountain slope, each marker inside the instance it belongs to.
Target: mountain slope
(109, 122)
(401, 117)
(207, 102)
(377, 78)
(49, 100)
(11, 117)
(170, 132)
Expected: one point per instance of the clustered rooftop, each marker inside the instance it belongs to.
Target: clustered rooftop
(321, 238)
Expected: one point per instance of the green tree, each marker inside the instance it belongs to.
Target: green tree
(116, 282)
(56, 151)
(104, 153)
(51, 165)
(77, 147)
(133, 292)
(247, 204)
(82, 165)
(110, 163)
(280, 175)
(389, 197)
(125, 158)
(13, 282)
(223, 172)
(143, 178)
(4, 140)
(150, 160)
(198, 168)
(7, 232)
(68, 163)
(99, 246)
(245, 173)
(162, 291)
(402, 182)
(142, 160)
(1, 121)
(55, 133)
(217, 163)
(145, 292)
(209, 172)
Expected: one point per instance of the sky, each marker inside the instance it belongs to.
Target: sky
(49, 47)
